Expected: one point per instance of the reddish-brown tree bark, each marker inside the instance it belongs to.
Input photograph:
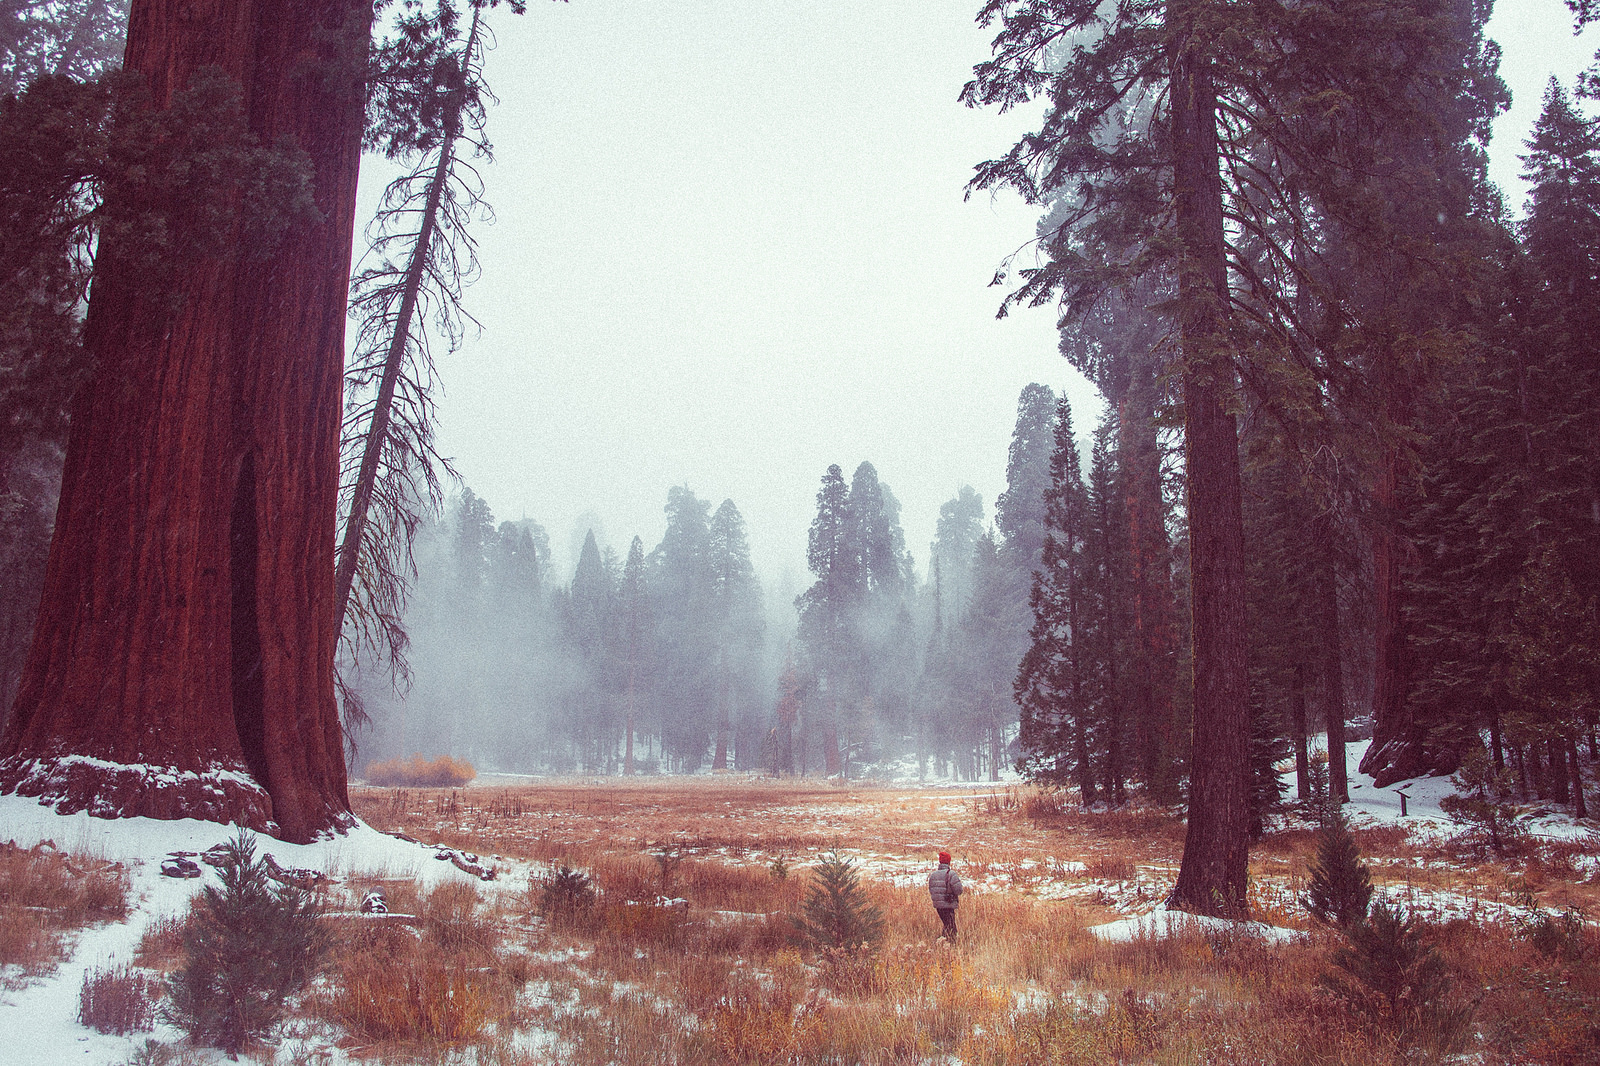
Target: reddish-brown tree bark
(182, 663)
(1212, 875)
(1397, 751)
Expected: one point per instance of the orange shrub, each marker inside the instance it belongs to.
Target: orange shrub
(417, 772)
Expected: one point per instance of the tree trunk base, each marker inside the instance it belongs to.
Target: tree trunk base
(73, 783)
(1400, 760)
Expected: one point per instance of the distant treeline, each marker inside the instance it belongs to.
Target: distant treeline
(675, 660)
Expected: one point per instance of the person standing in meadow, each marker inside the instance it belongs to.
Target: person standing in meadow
(945, 887)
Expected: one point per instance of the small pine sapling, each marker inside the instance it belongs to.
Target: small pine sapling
(836, 914)
(1341, 887)
(566, 897)
(667, 861)
(1389, 973)
(1483, 804)
(249, 946)
(1318, 779)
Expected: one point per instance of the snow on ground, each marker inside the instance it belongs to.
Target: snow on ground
(39, 1020)
(1162, 922)
(1369, 807)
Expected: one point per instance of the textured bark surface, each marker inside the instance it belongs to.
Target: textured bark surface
(1332, 658)
(182, 660)
(1212, 876)
(1397, 751)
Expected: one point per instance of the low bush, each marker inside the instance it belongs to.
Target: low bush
(443, 981)
(566, 897)
(417, 772)
(118, 999)
(427, 1000)
(1111, 867)
(1046, 804)
(161, 945)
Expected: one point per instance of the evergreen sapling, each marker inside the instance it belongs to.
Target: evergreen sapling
(566, 897)
(1389, 973)
(248, 946)
(1341, 888)
(837, 914)
(1483, 804)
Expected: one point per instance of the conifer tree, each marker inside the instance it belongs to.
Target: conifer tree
(200, 488)
(836, 913)
(1503, 577)
(827, 608)
(427, 106)
(683, 608)
(1020, 509)
(73, 39)
(1139, 172)
(635, 626)
(1127, 59)
(959, 526)
(1049, 685)
(1106, 594)
(738, 638)
(250, 944)
(1391, 974)
(1340, 887)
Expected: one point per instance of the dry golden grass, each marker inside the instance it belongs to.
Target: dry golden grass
(118, 999)
(44, 894)
(688, 954)
(161, 945)
(441, 979)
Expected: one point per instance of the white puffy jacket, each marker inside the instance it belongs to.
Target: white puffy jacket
(945, 888)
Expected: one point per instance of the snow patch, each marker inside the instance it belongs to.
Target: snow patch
(1162, 922)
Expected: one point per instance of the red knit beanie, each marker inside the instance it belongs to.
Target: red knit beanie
(944, 856)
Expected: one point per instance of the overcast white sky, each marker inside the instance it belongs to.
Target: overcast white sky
(731, 249)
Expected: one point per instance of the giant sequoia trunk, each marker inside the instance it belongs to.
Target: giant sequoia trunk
(1398, 749)
(182, 663)
(1211, 878)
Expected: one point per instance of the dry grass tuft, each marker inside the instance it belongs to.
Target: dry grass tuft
(161, 946)
(421, 1000)
(444, 980)
(1112, 867)
(45, 893)
(119, 1000)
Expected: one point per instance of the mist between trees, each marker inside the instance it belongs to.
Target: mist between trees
(675, 658)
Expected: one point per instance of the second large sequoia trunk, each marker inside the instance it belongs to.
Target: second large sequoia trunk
(182, 664)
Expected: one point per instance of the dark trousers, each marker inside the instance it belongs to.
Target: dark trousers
(947, 915)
